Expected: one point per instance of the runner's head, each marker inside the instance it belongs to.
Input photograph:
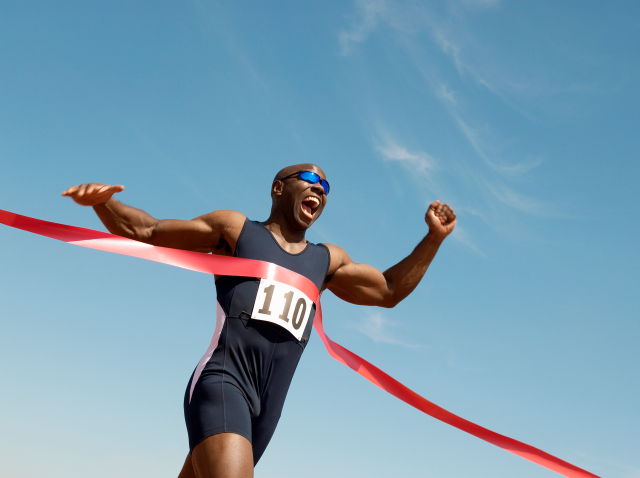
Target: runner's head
(299, 201)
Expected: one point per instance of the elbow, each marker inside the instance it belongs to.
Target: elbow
(137, 233)
(391, 295)
(146, 234)
(390, 302)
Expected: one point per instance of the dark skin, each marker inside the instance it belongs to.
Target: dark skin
(295, 206)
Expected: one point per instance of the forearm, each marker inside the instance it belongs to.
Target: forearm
(365, 285)
(125, 221)
(405, 276)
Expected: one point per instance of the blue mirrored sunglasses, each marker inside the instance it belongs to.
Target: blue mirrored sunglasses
(311, 178)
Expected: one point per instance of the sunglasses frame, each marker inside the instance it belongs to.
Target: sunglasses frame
(322, 182)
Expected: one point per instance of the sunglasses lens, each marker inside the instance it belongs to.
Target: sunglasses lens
(309, 176)
(313, 178)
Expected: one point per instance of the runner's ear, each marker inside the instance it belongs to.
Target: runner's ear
(276, 187)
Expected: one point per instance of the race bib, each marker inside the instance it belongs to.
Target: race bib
(282, 305)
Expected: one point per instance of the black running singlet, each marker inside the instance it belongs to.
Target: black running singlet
(241, 382)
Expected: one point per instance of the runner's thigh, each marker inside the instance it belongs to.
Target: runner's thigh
(225, 455)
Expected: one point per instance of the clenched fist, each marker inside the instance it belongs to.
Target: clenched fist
(92, 194)
(440, 218)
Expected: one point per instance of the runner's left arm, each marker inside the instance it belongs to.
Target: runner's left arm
(363, 284)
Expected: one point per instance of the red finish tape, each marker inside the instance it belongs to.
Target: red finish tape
(234, 266)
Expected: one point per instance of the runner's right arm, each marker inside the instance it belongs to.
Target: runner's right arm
(216, 232)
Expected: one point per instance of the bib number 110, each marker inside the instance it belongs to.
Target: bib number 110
(283, 305)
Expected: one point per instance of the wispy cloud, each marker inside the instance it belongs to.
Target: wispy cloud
(446, 95)
(476, 139)
(363, 24)
(476, 143)
(521, 202)
(418, 161)
(378, 329)
(461, 236)
(449, 28)
(491, 173)
(423, 167)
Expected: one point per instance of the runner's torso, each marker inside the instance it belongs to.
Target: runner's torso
(237, 295)
(257, 357)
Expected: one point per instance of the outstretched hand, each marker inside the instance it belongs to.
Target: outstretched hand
(92, 194)
(440, 218)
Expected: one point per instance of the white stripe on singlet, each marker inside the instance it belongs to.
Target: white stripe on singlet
(220, 318)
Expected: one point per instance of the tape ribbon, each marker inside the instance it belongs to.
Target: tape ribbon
(234, 266)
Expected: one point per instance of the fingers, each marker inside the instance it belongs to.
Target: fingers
(92, 193)
(441, 219)
(79, 195)
(443, 212)
(70, 191)
(75, 191)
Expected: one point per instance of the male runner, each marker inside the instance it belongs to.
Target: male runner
(234, 398)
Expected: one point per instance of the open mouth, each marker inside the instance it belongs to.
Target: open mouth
(310, 205)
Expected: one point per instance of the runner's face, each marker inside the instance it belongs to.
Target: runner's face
(304, 201)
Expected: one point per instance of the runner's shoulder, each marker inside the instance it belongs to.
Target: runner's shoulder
(224, 220)
(337, 258)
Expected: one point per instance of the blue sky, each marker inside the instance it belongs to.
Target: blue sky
(522, 116)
